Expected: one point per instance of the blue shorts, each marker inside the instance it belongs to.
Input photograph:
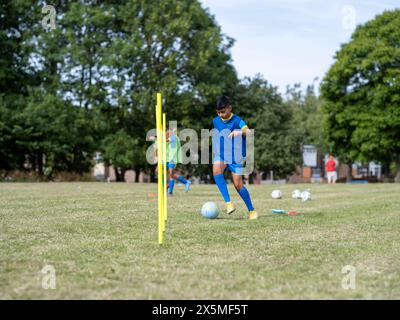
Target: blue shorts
(236, 168)
(170, 165)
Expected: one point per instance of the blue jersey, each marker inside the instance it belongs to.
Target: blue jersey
(228, 150)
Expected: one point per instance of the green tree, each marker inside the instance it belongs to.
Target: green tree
(308, 117)
(120, 150)
(174, 47)
(15, 76)
(51, 132)
(307, 124)
(276, 147)
(117, 54)
(362, 93)
(68, 92)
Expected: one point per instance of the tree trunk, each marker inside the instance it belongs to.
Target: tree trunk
(123, 175)
(397, 178)
(251, 178)
(152, 175)
(39, 158)
(349, 175)
(117, 175)
(137, 173)
(106, 170)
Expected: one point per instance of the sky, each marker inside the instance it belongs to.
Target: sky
(290, 41)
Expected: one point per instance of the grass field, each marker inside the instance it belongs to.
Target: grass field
(102, 241)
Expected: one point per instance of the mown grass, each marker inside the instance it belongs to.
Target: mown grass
(102, 241)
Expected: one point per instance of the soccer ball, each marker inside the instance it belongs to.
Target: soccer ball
(276, 194)
(296, 194)
(305, 195)
(210, 210)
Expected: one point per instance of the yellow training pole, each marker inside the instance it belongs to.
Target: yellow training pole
(159, 102)
(160, 170)
(165, 166)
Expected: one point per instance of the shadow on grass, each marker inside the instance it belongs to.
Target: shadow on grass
(259, 217)
(230, 218)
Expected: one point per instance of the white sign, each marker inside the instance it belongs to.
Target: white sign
(309, 156)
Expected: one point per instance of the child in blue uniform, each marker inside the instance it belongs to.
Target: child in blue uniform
(229, 154)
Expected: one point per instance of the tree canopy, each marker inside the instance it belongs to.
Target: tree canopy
(89, 86)
(79, 88)
(362, 93)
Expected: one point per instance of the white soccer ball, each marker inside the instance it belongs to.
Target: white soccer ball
(210, 210)
(296, 194)
(276, 194)
(305, 196)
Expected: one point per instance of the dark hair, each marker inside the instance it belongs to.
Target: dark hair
(222, 102)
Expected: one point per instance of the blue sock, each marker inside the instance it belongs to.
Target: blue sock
(182, 179)
(221, 183)
(171, 186)
(246, 198)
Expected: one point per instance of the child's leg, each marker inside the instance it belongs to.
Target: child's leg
(218, 173)
(171, 182)
(181, 179)
(187, 183)
(241, 189)
(175, 175)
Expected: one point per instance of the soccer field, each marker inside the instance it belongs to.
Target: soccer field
(101, 240)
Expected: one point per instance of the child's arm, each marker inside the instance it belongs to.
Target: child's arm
(244, 130)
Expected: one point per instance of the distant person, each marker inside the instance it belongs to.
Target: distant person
(174, 156)
(330, 167)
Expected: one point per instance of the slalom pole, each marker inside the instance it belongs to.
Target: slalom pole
(165, 168)
(160, 170)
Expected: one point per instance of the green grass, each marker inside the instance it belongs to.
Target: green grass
(102, 240)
